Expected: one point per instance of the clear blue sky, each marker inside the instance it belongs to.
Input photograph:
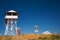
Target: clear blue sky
(44, 13)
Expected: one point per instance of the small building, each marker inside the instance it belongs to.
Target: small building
(46, 32)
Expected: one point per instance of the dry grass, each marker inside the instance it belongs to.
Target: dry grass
(32, 37)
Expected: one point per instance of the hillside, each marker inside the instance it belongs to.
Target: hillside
(32, 37)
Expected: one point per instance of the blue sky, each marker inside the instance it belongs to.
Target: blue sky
(44, 13)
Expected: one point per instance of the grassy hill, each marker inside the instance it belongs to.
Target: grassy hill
(32, 37)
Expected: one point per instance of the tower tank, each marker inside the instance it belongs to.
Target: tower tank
(11, 18)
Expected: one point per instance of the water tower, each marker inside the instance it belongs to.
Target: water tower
(36, 28)
(11, 22)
